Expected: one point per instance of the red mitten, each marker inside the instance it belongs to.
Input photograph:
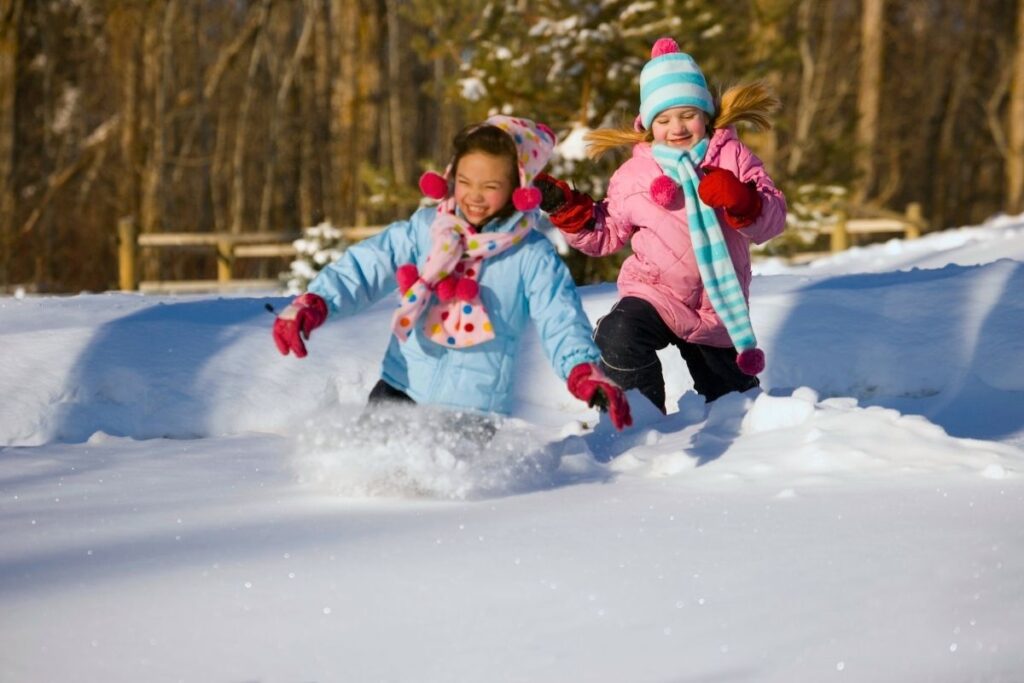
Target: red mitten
(553, 192)
(297, 321)
(587, 383)
(570, 211)
(721, 189)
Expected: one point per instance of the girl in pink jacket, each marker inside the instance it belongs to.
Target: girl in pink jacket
(689, 202)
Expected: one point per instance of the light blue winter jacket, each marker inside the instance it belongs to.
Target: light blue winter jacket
(529, 281)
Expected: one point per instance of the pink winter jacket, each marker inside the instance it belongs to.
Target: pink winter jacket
(662, 269)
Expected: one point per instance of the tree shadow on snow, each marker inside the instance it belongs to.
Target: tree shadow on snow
(942, 343)
(141, 375)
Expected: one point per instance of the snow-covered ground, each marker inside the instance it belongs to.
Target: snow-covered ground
(179, 502)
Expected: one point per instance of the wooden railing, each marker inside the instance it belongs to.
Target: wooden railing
(909, 224)
(866, 222)
(228, 247)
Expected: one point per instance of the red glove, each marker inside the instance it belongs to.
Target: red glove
(302, 316)
(587, 383)
(569, 210)
(721, 189)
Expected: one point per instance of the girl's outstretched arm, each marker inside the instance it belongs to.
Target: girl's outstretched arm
(594, 228)
(365, 272)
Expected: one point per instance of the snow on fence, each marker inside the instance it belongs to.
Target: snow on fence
(229, 248)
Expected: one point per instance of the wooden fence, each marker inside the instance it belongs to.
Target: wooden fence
(228, 247)
(908, 224)
(231, 247)
(867, 222)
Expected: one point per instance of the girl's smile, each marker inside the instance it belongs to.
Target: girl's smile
(681, 127)
(483, 186)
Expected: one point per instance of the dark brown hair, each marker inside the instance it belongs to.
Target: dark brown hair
(489, 140)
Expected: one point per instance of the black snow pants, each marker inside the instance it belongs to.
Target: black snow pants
(630, 336)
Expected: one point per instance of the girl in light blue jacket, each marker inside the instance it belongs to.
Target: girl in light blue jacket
(471, 274)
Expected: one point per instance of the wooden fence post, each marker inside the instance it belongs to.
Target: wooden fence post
(126, 255)
(840, 237)
(225, 257)
(915, 220)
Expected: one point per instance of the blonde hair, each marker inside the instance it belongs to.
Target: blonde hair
(749, 103)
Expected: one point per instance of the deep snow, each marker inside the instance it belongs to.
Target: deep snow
(179, 502)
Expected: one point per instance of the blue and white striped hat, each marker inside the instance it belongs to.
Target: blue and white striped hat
(671, 79)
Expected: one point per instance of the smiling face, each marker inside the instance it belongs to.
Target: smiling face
(681, 127)
(483, 185)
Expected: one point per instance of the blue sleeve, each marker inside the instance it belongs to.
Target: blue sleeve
(556, 310)
(365, 272)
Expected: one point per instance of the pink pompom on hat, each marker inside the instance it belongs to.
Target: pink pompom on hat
(534, 144)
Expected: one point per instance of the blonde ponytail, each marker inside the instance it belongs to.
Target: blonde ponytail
(603, 140)
(751, 103)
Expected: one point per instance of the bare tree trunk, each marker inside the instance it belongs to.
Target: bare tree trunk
(946, 186)
(924, 100)
(367, 131)
(219, 172)
(869, 94)
(242, 128)
(345, 17)
(207, 89)
(1015, 133)
(308, 164)
(124, 25)
(10, 19)
(766, 38)
(355, 110)
(446, 123)
(398, 91)
(156, 54)
(309, 169)
(814, 65)
(283, 92)
(321, 131)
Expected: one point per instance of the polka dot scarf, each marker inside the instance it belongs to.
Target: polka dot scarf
(459, 251)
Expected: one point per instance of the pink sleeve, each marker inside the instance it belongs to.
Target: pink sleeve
(748, 167)
(612, 225)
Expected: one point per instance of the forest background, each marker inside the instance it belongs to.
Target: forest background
(276, 115)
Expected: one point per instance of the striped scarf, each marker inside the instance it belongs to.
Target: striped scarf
(712, 254)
